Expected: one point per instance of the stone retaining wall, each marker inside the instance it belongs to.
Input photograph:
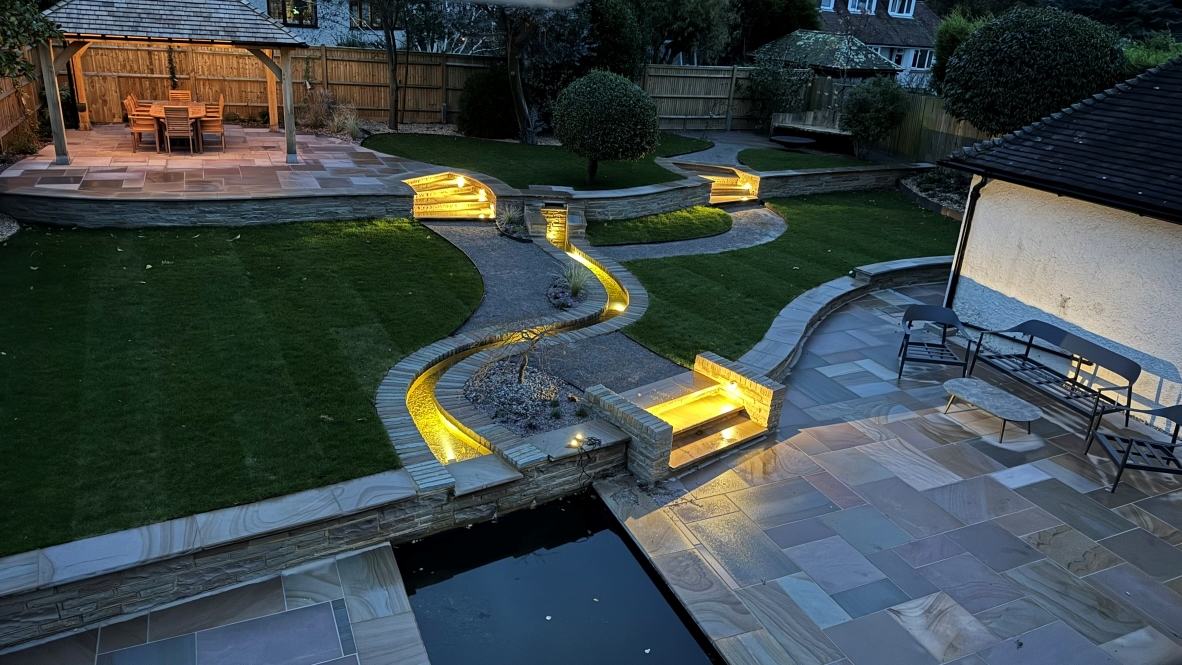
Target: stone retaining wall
(822, 181)
(144, 213)
(652, 438)
(762, 398)
(643, 201)
(52, 610)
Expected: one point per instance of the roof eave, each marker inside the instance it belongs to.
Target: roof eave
(181, 40)
(1089, 195)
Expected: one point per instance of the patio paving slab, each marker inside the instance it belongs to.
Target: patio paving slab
(1091, 613)
(866, 529)
(1015, 618)
(971, 583)
(868, 598)
(1072, 550)
(1086, 516)
(994, 546)
(743, 549)
(1054, 643)
(944, 628)
(877, 639)
(1151, 554)
(909, 580)
(834, 565)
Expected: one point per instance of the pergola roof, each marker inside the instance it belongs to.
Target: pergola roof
(231, 22)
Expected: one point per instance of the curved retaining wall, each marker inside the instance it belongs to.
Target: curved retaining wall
(780, 347)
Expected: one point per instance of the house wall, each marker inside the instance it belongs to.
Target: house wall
(332, 23)
(1104, 274)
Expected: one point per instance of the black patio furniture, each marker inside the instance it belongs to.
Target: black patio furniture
(925, 351)
(1132, 452)
(1071, 387)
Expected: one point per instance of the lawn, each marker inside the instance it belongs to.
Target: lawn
(153, 374)
(725, 302)
(519, 165)
(696, 222)
(761, 159)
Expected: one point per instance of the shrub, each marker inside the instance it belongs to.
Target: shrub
(952, 32)
(1150, 52)
(1028, 64)
(776, 86)
(317, 108)
(871, 110)
(576, 276)
(345, 121)
(604, 116)
(486, 106)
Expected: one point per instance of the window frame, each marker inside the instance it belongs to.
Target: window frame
(928, 58)
(362, 15)
(871, 6)
(908, 7)
(280, 10)
(828, 5)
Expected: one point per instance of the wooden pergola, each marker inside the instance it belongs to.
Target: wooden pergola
(197, 22)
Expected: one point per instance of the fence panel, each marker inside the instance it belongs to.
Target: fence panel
(700, 97)
(357, 76)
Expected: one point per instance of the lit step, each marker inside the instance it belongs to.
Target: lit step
(714, 439)
(700, 412)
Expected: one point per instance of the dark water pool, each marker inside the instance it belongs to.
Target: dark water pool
(482, 595)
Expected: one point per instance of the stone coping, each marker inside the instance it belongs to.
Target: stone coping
(918, 198)
(97, 555)
(784, 340)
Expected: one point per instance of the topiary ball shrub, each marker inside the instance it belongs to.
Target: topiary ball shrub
(1028, 64)
(871, 110)
(486, 107)
(605, 117)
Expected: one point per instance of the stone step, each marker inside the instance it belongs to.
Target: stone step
(708, 442)
(699, 413)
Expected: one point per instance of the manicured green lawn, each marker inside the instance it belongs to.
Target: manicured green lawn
(520, 165)
(770, 159)
(696, 222)
(725, 302)
(241, 365)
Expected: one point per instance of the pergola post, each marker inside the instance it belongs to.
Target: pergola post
(289, 130)
(272, 102)
(53, 101)
(80, 92)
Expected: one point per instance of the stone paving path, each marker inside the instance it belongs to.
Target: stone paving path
(876, 530)
(752, 226)
(345, 610)
(727, 146)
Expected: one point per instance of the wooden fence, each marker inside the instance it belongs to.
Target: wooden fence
(926, 134)
(700, 97)
(358, 76)
(18, 104)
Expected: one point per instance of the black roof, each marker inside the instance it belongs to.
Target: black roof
(882, 29)
(1121, 148)
(829, 53)
(202, 21)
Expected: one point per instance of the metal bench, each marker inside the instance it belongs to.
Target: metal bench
(1132, 452)
(1071, 388)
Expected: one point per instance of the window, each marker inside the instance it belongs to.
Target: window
(363, 15)
(921, 59)
(901, 8)
(862, 6)
(895, 55)
(826, 5)
(298, 13)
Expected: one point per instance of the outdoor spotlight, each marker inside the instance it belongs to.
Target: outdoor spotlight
(746, 185)
(460, 181)
(574, 443)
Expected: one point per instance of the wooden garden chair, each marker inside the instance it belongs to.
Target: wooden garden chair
(211, 122)
(178, 125)
(180, 95)
(140, 107)
(140, 123)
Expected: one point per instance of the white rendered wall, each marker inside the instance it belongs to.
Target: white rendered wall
(1110, 276)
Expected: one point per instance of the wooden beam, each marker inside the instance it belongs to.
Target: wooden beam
(272, 98)
(289, 129)
(80, 92)
(68, 53)
(266, 60)
(53, 101)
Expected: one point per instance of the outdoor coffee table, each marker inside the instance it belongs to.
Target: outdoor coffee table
(994, 401)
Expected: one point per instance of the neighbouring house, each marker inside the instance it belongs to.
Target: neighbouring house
(902, 31)
(326, 22)
(1077, 221)
(830, 54)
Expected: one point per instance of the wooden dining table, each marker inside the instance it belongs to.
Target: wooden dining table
(196, 111)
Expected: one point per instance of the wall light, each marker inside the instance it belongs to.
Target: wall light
(461, 181)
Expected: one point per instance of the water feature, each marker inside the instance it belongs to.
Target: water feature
(559, 584)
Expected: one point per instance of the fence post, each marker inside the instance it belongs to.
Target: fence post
(443, 87)
(324, 64)
(730, 98)
(193, 72)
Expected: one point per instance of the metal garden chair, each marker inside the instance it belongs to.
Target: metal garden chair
(1131, 452)
(923, 351)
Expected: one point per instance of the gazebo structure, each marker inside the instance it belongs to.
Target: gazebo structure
(198, 22)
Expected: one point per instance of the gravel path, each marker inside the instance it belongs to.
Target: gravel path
(613, 360)
(752, 226)
(515, 274)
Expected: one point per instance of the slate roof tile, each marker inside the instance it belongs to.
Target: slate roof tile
(882, 29)
(1120, 148)
(231, 21)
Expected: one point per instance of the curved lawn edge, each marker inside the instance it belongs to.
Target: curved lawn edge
(686, 224)
(771, 159)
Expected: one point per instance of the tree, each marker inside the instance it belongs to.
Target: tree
(1136, 19)
(698, 30)
(486, 108)
(758, 22)
(1150, 52)
(1028, 64)
(871, 110)
(776, 86)
(615, 38)
(953, 30)
(604, 116)
(22, 26)
(391, 14)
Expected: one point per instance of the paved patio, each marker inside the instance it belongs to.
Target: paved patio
(877, 530)
(344, 611)
(252, 165)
